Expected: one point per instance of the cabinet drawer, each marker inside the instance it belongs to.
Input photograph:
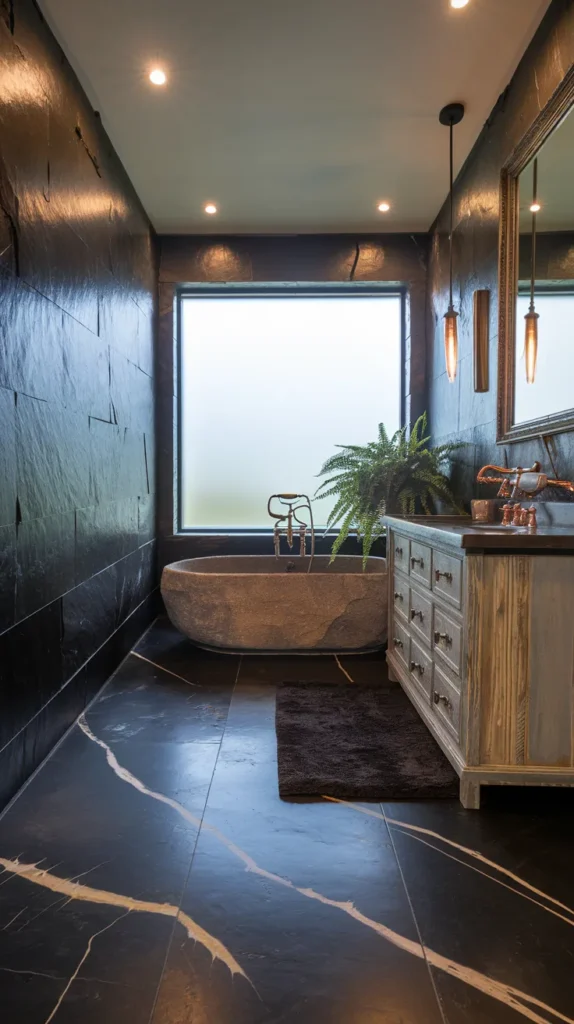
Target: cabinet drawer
(446, 701)
(401, 596)
(420, 563)
(447, 639)
(400, 552)
(399, 641)
(420, 615)
(421, 669)
(447, 577)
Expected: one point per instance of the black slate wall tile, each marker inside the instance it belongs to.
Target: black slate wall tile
(78, 281)
(45, 561)
(117, 462)
(31, 353)
(7, 457)
(135, 579)
(89, 617)
(456, 412)
(7, 576)
(30, 668)
(24, 120)
(104, 534)
(53, 458)
(86, 370)
(146, 518)
(131, 393)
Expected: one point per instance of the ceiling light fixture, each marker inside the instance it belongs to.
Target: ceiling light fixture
(459, 3)
(210, 208)
(532, 317)
(383, 207)
(450, 115)
(158, 77)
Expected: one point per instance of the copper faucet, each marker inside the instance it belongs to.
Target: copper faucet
(291, 504)
(519, 482)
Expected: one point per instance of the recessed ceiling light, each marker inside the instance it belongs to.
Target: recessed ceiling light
(459, 3)
(535, 208)
(383, 207)
(158, 77)
(210, 208)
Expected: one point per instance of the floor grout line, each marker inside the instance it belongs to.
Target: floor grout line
(414, 917)
(199, 832)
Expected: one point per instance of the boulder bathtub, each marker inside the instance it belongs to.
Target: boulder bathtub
(267, 605)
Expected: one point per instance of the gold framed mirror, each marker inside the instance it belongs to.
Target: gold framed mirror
(536, 277)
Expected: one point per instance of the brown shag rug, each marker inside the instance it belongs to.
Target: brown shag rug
(357, 743)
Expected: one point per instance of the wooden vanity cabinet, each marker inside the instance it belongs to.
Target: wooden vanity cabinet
(482, 642)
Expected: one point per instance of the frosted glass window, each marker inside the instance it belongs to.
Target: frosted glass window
(269, 386)
(551, 391)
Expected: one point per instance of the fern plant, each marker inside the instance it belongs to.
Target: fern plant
(388, 476)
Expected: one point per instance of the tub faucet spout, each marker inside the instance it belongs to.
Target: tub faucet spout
(291, 504)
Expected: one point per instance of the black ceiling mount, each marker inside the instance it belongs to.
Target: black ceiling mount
(453, 113)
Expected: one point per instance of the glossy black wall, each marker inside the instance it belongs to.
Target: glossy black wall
(456, 410)
(77, 294)
(393, 259)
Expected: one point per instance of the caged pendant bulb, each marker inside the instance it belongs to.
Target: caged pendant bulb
(451, 342)
(531, 345)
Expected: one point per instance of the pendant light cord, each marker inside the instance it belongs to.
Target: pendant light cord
(533, 246)
(451, 175)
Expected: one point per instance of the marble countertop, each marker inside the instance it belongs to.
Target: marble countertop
(461, 532)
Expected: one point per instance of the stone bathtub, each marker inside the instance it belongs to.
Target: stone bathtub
(263, 604)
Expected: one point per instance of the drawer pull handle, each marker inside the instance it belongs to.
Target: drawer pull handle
(445, 576)
(415, 667)
(397, 642)
(444, 637)
(417, 561)
(439, 698)
(399, 597)
(399, 552)
(415, 614)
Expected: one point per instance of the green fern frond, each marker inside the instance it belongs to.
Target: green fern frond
(393, 475)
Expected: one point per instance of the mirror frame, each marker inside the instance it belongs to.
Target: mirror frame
(549, 118)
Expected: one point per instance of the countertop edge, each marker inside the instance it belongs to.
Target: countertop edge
(437, 533)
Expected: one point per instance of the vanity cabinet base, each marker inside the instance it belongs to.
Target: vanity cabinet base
(483, 645)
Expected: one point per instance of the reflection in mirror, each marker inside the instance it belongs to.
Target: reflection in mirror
(547, 204)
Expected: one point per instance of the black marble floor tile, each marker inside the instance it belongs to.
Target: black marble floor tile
(101, 813)
(278, 883)
(503, 883)
(359, 668)
(165, 647)
(150, 873)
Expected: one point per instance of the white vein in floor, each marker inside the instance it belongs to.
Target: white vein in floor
(343, 670)
(87, 894)
(507, 994)
(406, 828)
(81, 963)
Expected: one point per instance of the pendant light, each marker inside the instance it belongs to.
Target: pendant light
(450, 115)
(531, 318)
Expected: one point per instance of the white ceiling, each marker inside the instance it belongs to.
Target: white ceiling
(291, 115)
